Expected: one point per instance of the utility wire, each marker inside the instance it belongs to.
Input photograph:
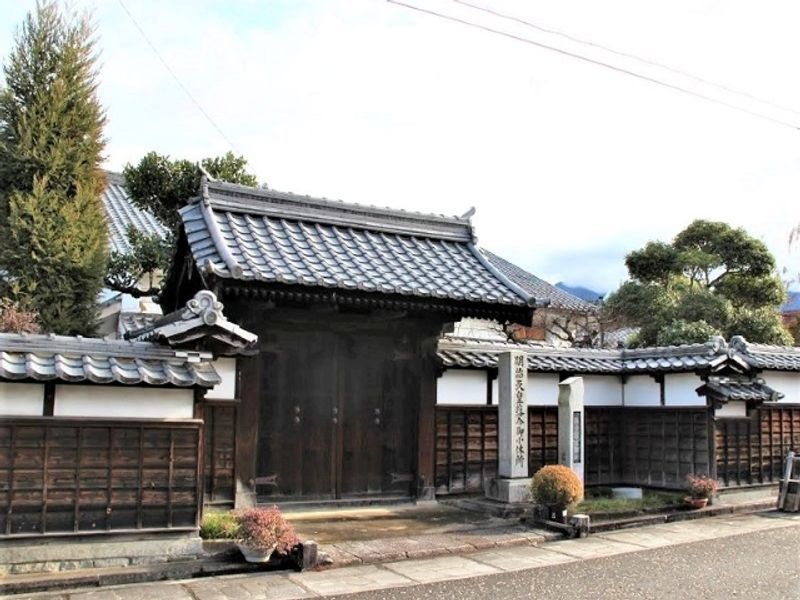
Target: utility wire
(595, 62)
(640, 59)
(177, 79)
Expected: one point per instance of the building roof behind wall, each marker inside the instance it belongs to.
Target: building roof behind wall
(121, 213)
(748, 390)
(462, 352)
(253, 235)
(539, 288)
(76, 359)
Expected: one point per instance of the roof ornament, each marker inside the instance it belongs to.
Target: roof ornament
(206, 306)
(717, 344)
(740, 344)
(469, 214)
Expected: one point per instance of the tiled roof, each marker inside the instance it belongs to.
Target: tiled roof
(539, 288)
(477, 353)
(200, 319)
(762, 356)
(76, 359)
(121, 214)
(128, 321)
(618, 338)
(739, 389)
(261, 235)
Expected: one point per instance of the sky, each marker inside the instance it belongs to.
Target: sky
(569, 165)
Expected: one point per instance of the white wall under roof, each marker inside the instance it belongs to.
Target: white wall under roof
(602, 390)
(225, 390)
(641, 390)
(732, 409)
(679, 390)
(543, 389)
(123, 402)
(461, 386)
(21, 399)
(785, 382)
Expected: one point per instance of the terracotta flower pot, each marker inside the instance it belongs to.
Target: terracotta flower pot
(694, 503)
(253, 555)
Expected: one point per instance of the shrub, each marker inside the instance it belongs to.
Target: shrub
(219, 526)
(556, 485)
(701, 486)
(264, 529)
(15, 318)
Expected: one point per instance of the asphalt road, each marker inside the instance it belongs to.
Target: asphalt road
(758, 565)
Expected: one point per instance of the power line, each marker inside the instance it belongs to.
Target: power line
(595, 62)
(635, 57)
(177, 79)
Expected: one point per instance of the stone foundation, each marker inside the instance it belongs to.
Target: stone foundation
(49, 555)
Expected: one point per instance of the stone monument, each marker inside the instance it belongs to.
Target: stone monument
(571, 451)
(512, 481)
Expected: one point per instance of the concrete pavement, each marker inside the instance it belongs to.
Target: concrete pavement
(400, 575)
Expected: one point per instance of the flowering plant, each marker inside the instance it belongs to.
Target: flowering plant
(263, 529)
(701, 486)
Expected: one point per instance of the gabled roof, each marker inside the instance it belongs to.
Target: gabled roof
(255, 235)
(733, 388)
(200, 319)
(480, 353)
(121, 214)
(539, 288)
(78, 359)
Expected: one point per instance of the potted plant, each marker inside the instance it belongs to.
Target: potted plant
(263, 531)
(556, 487)
(701, 489)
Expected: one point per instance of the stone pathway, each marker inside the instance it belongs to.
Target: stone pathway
(394, 574)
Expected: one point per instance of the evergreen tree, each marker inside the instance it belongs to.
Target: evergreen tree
(52, 225)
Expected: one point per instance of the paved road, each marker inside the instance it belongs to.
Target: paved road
(757, 565)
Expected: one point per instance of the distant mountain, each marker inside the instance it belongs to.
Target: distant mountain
(580, 291)
(793, 303)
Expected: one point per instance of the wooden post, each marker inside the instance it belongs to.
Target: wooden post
(787, 475)
(426, 422)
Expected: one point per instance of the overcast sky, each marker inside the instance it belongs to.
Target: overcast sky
(569, 165)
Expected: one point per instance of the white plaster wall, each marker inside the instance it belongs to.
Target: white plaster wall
(734, 408)
(461, 386)
(543, 389)
(641, 390)
(602, 390)
(123, 402)
(679, 390)
(785, 382)
(21, 399)
(226, 367)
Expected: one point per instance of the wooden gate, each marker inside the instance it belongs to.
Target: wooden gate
(85, 476)
(750, 451)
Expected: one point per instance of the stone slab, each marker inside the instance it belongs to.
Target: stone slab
(441, 569)
(517, 559)
(247, 587)
(591, 547)
(148, 591)
(349, 580)
(509, 491)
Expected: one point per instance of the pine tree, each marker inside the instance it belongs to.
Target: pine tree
(53, 242)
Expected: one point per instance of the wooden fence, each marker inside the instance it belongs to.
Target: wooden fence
(219, 442)
(751, 451)
(81, 476)
(466, 445)
(655, 447)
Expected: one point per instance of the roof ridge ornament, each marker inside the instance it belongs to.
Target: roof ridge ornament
(717, 344)
(740, 344)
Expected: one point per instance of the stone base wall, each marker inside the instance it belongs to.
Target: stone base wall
(49, 555)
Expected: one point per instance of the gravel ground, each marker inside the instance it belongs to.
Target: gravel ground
(752, 566)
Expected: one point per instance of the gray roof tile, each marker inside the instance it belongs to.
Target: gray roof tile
(739, 389)
(77, 359)
(262, 235)
(457, 351)
(121, 214)
(539, 288)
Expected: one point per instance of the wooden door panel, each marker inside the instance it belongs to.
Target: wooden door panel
(296, 433)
